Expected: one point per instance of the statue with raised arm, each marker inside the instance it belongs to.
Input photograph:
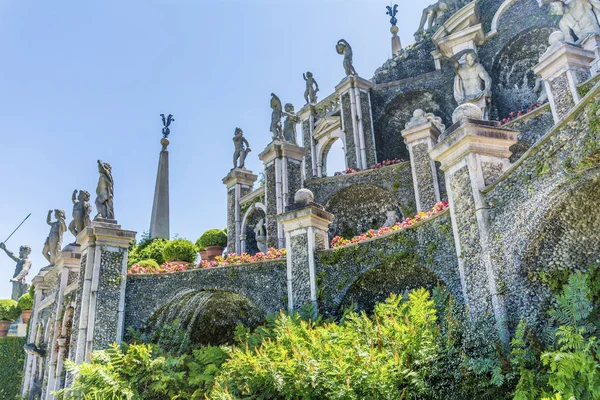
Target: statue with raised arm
(342, 47)
(289, 125)
(53, 244)
(242, 148)
(434, 14)
(104, 192)
(472, 83)
(579, 17)
(81, 211)
(312, 87)
(166, 123)
(275, 128)
(260, 234)
(22, 268)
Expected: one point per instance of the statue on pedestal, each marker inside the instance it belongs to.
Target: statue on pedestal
(310, 94)
(22, 268)
(53, 244)
(260, 234)
(289, 125)
(242, 148)
(343, 47)
(470, 77)
(104, 192)
(275, 128)
(433, 15)
(579, 17)
(81, 211)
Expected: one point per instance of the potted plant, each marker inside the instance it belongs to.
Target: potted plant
(9, 312)
(180, 250)
(214, 241)
(201, 250)
(25, 304)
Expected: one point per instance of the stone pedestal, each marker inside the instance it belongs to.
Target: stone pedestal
(239, 182)
(420, 138)
(283, 178)
(159, 222)
(357, 122)
(473, 154)
(306, 226)
(100, 303)
(592, 43)
(562, 67)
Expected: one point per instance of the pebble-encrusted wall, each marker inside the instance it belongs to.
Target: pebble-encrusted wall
(107, 298)
(231, 218)
(531, 127)
(306, 143)
(300, 274)
(341, 272)
(563, 99)
(351, 161)
(365, 108)
(542, 214)
(271, 204)
(264, 283)
(425, 181)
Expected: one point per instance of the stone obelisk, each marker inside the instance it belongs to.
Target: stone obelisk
(159, 223)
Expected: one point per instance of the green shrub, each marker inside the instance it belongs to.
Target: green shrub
(12, 358)
(148, 263)
(199, 245)
(213, 237)
(9, 310)
(25, 302)
(148, 249)
(180, 250)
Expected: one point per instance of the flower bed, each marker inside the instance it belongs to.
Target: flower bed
(526, 109)
(339, 241)
(231, 259)
(382, 164)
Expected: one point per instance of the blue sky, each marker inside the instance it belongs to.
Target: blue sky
(87, 80)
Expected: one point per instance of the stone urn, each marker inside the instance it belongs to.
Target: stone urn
(214, 251)
(203, 254)
(4, 326)
(25, 315)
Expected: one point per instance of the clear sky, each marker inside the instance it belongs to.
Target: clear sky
(87, 80)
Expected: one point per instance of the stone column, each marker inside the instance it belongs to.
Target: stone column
(473, 154)
(357, 122)
(562, 67)
(307, 115)
(159, 222)
(100, 303)
(283, 178)
(306, 230)
(239, 182)
(420, 136)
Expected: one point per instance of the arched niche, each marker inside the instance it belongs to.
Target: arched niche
(254, 213)
(389, 127)
(333, 151)
(328, 130)
(358, 208)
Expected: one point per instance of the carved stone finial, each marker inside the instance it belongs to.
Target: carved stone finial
(466, 111)
(392, 11)
(166, 123)
(304, 196)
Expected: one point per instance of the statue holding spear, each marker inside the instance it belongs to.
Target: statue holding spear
(22, 268)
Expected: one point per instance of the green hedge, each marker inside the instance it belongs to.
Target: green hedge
(9, 310)
(26, 302)
(212, 237)
(180, 250)
(12, 359)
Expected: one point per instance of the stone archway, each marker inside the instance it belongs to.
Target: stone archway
(360, 207)
(326, 152)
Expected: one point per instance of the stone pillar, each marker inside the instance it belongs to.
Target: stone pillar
(31, 361)
(283, 178)
(592, 43)
(306, 230)
(239, 182)
(100, 304)
(159, 222)
(308, 115)
(357, 122)
(562, 67)
(473, 154)
(421, 136)
(396, 45)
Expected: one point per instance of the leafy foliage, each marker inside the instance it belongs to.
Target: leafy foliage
(25, 302)
(148, 263)
(180, 250)
(9, 310)
(212, 237)
(148, 249)
(12, 358)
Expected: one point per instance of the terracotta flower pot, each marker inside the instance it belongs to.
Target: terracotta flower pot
(203, 255)
(4, 325)
(213, 251)
(26, 314)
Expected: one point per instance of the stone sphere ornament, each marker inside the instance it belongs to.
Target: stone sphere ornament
(466, 111)
(304, 196)
(556, 36)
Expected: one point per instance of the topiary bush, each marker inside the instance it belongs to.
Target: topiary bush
(148, 263)
(9, 310)
(180, 250)
(199, 245)
(12, 358)
(25, 302)
(213, 237)
(148, 249)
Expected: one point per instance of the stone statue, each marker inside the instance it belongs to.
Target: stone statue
(392, 218)
(260, 234)
(470, 77)
(81, 211)
(392, 11)
(312, 87)
(22, 268)
(166, 123)
(53, 244)
(434, 14)
(242, 148)
(289, 125)
(579, 17)
(276, 117)
(343, 47)
(104, 192)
